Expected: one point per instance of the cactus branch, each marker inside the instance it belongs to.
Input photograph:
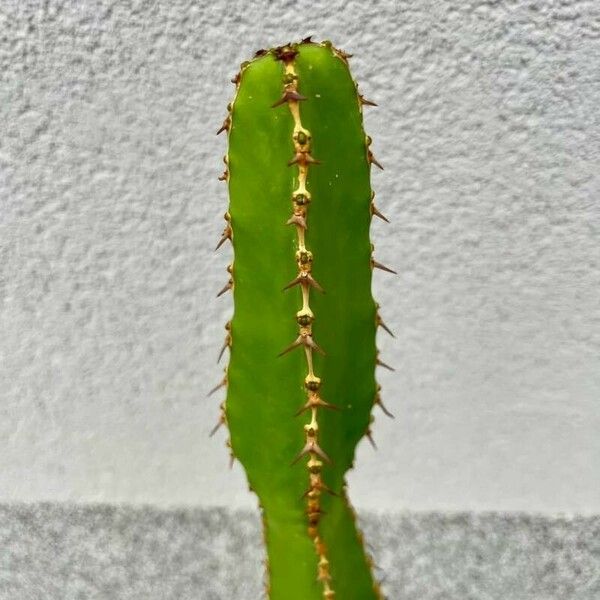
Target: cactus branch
(298, 174)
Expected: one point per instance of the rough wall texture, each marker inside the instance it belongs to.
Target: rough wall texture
(61, 552)
(489, 130)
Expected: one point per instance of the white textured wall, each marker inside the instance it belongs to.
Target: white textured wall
(489, 129)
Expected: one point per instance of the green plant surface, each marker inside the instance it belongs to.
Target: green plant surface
(298, 104)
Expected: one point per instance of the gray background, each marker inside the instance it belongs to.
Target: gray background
(489, 128)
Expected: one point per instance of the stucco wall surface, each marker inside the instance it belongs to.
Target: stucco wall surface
(489, 131)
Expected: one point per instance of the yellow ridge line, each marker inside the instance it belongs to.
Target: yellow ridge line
(301, 197)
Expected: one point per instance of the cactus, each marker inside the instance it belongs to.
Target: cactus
(302, 341)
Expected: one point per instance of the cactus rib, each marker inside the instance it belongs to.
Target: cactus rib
(301, 138)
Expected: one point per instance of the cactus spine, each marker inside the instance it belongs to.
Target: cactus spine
(297, 104)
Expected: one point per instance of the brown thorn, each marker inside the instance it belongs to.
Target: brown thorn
(383, 408)
(223, 177)
(318, 402)
(217, 387)
(293, 282)
(375, 211)
(236, 78)
(314, 448)
(214, 430)
(307, 40)
(321, 486)
(225, 345)
(226, 288)
(303, 158)
(304, 278)
(286, 53)
(312, 281)
(366, 102)
(378, 265)
(300, 454)
(312, 344)
(370, 438)
(302, 340)
(374, 161)
(225, 126)
(384, 365)
(226, 236)
(297, 220)
(383, 326)
(329, 490)
(289, 95)
(303, 409)
(376, 567)
(294, 344)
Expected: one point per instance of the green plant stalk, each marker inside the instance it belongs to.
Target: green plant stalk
(301, 377)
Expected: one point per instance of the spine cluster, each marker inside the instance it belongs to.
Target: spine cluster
(301, 199)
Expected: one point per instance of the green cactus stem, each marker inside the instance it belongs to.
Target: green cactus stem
(302, 341)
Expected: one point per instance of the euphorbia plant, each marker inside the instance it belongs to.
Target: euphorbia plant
(302, 341)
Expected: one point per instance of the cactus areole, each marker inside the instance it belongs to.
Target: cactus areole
(300, 381)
